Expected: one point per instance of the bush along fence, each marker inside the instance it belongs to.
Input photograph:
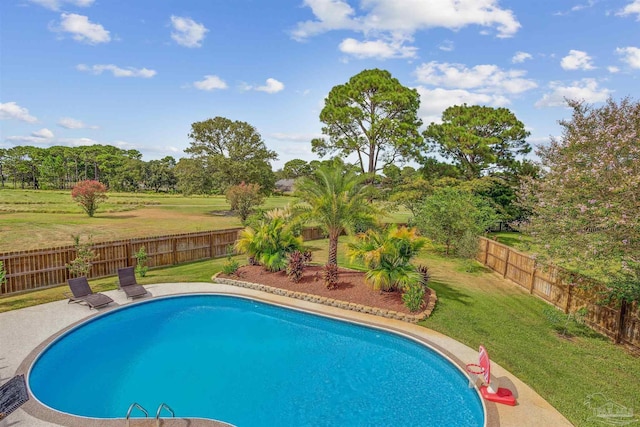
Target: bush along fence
(43, 268)
(564, 290)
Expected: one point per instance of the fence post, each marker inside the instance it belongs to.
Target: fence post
(174, 251)
(212, 245)
(532, 283)
(567, 306)
(67, 260)
(620, 325)
(506, 263)
(128, 253)
(486, 250)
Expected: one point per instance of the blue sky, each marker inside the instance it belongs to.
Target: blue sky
(137, 73)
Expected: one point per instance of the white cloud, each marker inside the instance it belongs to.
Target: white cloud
(630, 55)
(520, 57)
(331, 15)
(631, 8)
(187, 32)
(406, 17)
(55, 4)
(582, 90)
(613, 69)
(82, 29)
(16, 139)
(271, 86)
(377, 49)
(117, 71)
(210, 82)
(77, 142)
(483, 78)
(69, 123)
(447, 46)
(399, 20)
(42, 136)
(578, 7)
(577, 60)
(435, 101)
(43, 133)
(11, 110)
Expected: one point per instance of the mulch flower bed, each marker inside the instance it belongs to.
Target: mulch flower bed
(352, 291)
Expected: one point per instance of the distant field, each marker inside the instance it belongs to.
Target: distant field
(34, 219)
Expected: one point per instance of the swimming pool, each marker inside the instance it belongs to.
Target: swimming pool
(249, 364)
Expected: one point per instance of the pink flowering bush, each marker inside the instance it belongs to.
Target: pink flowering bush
(89, 194)
(586, 207)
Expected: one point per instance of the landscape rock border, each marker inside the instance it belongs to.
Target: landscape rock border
(411, 318)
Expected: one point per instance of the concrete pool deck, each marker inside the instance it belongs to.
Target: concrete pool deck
(24, 332)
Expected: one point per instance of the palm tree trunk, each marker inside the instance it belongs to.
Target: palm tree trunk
(333, 247)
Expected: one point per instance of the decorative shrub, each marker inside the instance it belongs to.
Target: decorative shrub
(271, 242)
(89, 194)
(307, 256)
(413, 296)
(387, 254)
(295, 266)
(330, 276)
(85, 256)
(423, 270)
(230, 266)
(141, 262)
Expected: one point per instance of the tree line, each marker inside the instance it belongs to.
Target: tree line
(60, 168)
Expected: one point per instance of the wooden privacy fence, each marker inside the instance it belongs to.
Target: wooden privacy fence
(42, 268)
(560, 288)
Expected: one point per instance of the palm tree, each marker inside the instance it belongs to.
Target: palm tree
(336, 199)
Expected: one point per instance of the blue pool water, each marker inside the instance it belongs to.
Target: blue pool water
(250, 364)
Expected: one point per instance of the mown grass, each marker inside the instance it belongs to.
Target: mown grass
(37, 219)
(519, 241)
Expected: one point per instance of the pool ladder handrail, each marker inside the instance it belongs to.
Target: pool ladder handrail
(131, 408)
(163, 405)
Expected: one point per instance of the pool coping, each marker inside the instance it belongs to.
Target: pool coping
(496, 415)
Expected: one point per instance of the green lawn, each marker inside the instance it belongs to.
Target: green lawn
(32, 219)
(475, 308)
(518, 241)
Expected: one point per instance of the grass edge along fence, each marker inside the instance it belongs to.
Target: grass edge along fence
(559, 288)
(43, 268)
